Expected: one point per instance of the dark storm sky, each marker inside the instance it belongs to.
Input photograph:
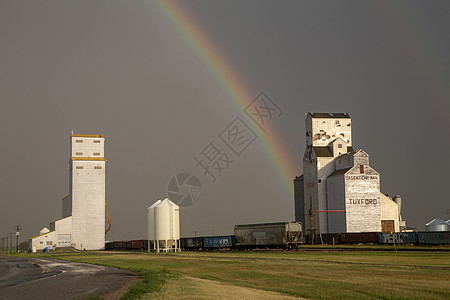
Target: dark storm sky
(122, 69)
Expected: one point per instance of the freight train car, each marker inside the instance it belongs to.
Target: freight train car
(343, 238)
(219, 242)
(109, 246)
(191, 243)
(127, 245)
(434, 237)
(117, 245)
(139, 244)
(285, 235)
(324, 238)
(397, 238)
(288, 235)
(415, 238)
(359, 238)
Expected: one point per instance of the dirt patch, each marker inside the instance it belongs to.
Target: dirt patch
(186, 287)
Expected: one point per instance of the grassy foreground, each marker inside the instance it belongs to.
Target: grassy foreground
(317, 275)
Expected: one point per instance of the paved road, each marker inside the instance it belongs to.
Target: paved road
(37, 278)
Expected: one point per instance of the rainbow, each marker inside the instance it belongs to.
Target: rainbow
(274, 147)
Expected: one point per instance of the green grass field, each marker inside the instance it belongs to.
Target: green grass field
(271, 275)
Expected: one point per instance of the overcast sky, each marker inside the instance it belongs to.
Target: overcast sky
(124, 70)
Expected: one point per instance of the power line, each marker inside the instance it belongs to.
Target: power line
(18, 228)
(10, 242)
(3, 249)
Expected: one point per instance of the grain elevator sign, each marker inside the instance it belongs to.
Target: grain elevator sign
(363, 201)
(368, 199)
(361, 177)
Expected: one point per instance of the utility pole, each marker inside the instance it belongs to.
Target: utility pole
(10, 242)
(18, 228)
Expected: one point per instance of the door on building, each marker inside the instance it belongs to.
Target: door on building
(387, 226)
(64, 240)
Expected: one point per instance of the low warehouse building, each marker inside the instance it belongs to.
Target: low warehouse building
(45, 240)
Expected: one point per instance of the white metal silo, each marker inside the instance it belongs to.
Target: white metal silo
(437, 225)
(398, 200)
(151, 224)
(176, 226)
(167, 226)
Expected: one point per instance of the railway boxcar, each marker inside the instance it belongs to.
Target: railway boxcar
(109, 245)
(127, 245)
(214, 242)
(268, 235)
(325, 238)
(359, 237)
(397, 238)
(434, 237)
(151, 245)
(145, 244)
(191, 243)
(118, 245)
(137, 245)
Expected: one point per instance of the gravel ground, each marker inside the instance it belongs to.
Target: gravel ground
(117, 292)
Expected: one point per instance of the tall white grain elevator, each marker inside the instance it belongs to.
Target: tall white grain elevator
(163, 226)
(86, 201)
